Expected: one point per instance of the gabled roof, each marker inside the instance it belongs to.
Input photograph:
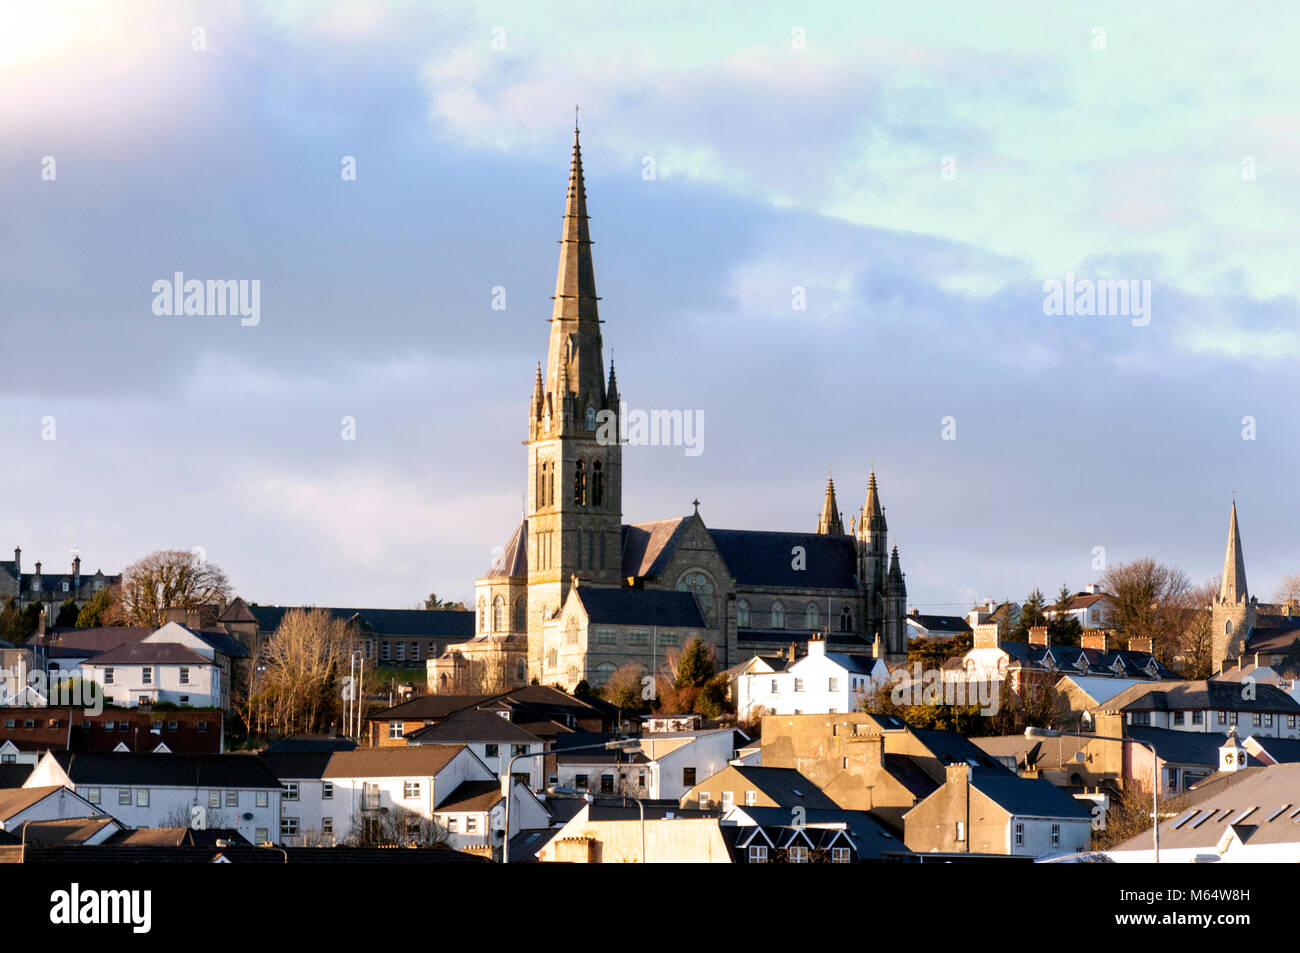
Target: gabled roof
(869, 837)
(1202, 694)
(1182, 747)
(762, 558)
(299, 744)
(16, 800)
(294, 765)
(1028, 797)
(647, 547)
(131, 769)
(471, 797)
(150, 653)
(72, 830)
(948, 624)
(657, 607)
(419, 760)
(237, 611)
(13, 775)
(855, 662)
(788, 787)
(473, 726)
(417, 623)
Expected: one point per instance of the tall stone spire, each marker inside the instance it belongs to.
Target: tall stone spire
(1233, 588)
(575, 282)
(829, 521)
(872, 509)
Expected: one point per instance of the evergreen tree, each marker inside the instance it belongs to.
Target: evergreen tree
(68, 613)
(1064, 629)
(696, 667)
(1032, 613)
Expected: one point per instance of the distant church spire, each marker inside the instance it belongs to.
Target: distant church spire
(575, 282)
(872, 509)
(829, 521)
(1233, 588)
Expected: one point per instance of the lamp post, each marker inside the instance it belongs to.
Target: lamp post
(510, 782)
(1032, 732)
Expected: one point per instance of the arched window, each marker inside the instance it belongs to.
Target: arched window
(571, 630)
(521, 614)
(591, 418)
(552, 659)
(846, 619)
(572, 673)
(498, 614)
(521, 670)
(598, 484)
(701, 585)
(742, 612)
(1227, 627)
(580, 484)
(482, 614)
(811, 617)
(778, 616)
(603, 672)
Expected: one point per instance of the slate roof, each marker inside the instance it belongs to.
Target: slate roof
(14, 800)
(952, 748)
(103, 853)
(13, 775)
(419, 760)
(429, 706)
(857, 663)
(1202, 694)
(408, 623)
(473, 725)
(471, 797)
(947, 624)
(237, 611)
(1273, 634)
(293, 765)
(73, 830)
(667, 608)
(762, 558)
(512, 561)
(870, 838)
(1028, 797)
(132, 769)
(176, 837)
(1066, 659)
(1101, 689)
(647, 547)
(150, 653)
(306, 743)
(788, 787)
(525, 845)
(1183, 747)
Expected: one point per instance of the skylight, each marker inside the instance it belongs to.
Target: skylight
(1243, 815)
(1277, 812)
(1185, 818)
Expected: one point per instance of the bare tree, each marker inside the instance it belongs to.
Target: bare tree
(303, 663)
(169, 579)
(1288, 589)
(1190, 650)
(397, 827)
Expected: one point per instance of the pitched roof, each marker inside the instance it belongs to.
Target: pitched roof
(419, 623)
(512, 561)
(647, 547)
(150, 653)
(1202, 694)
(237, 611)
(786, 786)
(471, 797)
(241, 854)
(291, 765)
(1028, 797)
(421, 760)
(660, 607)
(138, 769)
(1182, 747)
(473, 725)
(308, 743)
(15, 800)
(71, 830)
(13, 775)
(763, 558)
(871, 839)
(950, 624)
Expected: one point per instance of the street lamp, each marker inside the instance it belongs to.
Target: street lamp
(510, 775)
(1032, 732)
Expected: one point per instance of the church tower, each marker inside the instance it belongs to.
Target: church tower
(575, 460)
(873, 556)
(1233, 612)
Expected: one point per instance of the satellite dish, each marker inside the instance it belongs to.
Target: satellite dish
(248, 816)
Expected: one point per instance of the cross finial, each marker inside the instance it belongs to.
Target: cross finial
(696, 503)
(575, 117)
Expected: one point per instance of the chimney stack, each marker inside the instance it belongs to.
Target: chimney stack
(986, 635)
(1140, 644)
(1096, 640)
(76, 573)
(18, 560)
(1038, 635)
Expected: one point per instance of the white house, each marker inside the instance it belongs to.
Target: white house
(1093, 608)
(493, 738)
(171, 790)
(145, 672)
(48, 802)
(819, 683)
(663, 765)
(474, 814)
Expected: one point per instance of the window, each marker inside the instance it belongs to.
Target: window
(516, 750)
(490, 751)
(704, 800)
(185, 675)
(261, 799)
(498, 613)
(214, 799)
(173, 725)
(688, 777)
(552, 658)
(288, 827)
(9, 722)
(571, 630)
(395, 729)
(401, 652)
(521, 615)
(471, 824)
(834, 685)
(232, 799)
(410, 790)
(811, 617)
(482, 614)
(453, 824)
(580, 782)
(1198, 718)
(728, 799)
(327, 825)
(1255, 719)
(109, 725)
(798, 684)
(1140, 718)
(597, 474)
(638, 638)
(839, 855)
(1221, 717)
(142, 797)
(1232, 717)
(1020, 835)
(185, 699)
(290, 791)
(846, 619)
(580, 483)
(92, 795)
(751, 797)
(776, 686)
(1268, 719)
(1056, 835)
(778, 616)
(1178, 718)
(146, 675)
(798, 855)
(327, 790)
(124, 797)
(201, 726)
(108, 676)
(606, 636)
(383, 651)
(1290, 721)
(742, 613)
(758, 854)
(261, 835)
(607, 784)
(961, 831)
(604, 672)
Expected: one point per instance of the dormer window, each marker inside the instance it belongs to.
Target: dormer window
(504, 714)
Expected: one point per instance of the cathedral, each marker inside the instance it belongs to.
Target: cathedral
(576, 594)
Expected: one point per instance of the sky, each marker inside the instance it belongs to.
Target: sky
(913, 174)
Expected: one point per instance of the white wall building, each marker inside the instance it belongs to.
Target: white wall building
(145, 672)
(819, 683)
